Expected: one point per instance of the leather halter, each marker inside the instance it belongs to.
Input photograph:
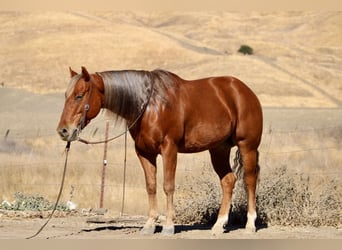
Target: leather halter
(82, 122)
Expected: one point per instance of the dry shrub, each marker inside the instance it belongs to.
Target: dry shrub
(283, 198)
(35, 202)
(198, 201)
(286, 199)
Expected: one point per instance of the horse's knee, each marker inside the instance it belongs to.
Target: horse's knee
(151, 188)
(169, 188)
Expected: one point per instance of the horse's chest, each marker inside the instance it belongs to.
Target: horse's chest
(148, 141)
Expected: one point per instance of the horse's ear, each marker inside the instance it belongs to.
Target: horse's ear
(72, 73)
(85, 74)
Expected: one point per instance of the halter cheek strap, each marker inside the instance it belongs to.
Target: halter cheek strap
(83, 120)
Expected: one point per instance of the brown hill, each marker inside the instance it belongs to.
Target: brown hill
(296, 61)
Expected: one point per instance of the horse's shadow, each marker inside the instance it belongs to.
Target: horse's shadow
(178, 228)
(159, 228)
(111, 228)
(236, 221)
(228, 228)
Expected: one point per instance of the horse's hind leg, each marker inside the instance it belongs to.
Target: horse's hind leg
(220, 161)
(251, 173)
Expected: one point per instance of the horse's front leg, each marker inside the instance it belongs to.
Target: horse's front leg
(169, 154)
(149, 165)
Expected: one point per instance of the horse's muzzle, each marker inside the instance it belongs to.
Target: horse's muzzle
(68, 134)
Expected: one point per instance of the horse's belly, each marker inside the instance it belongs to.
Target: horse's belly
(203, 138)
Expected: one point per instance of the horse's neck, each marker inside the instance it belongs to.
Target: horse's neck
(126, 92)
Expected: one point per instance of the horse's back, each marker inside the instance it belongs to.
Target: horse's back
(225, 95)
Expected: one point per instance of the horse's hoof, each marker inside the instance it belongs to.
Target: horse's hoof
(220, 226)
(148, 230)
(250, 229)
(217, 231)
(168, 230)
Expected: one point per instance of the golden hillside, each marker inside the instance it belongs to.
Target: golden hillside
(296, 63)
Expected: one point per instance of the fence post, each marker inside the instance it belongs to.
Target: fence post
(104, 164)
(6, 134)
(124, 176)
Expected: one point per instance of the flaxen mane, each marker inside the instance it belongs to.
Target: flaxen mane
(127, 92)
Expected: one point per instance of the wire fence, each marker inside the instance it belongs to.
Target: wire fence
(41, 152)
(18, 144)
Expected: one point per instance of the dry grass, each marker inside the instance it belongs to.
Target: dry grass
(295, 51)
(288, 196)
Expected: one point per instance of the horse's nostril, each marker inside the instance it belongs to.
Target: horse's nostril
(63, 132)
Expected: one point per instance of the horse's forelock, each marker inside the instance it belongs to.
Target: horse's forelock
(71, 86)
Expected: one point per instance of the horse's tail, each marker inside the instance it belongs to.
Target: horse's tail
(238, 163)
(257, 168)
(237, 166)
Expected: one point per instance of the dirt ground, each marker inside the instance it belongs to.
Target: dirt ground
(128, 227)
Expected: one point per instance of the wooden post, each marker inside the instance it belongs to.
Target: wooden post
(124, 176)
(104, 164)
(6, 135)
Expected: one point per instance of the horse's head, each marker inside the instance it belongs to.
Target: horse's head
(83, 100)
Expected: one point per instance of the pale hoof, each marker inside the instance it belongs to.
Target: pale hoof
(250, 229)
(168, 230)
(220, 226)
(217, 230)
(250, 225)
(148, 230)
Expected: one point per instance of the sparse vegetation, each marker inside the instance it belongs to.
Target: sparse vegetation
(35, 202)
(281, 200)
(246, 50)
(198, 203)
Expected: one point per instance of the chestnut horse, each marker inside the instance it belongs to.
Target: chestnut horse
(165, 115)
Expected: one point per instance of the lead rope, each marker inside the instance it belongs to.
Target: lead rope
(103, 141)
(124, 177)
(67, 148)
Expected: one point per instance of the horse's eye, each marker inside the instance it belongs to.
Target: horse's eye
(79, 97)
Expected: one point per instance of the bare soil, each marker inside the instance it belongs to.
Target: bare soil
(128, 227)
